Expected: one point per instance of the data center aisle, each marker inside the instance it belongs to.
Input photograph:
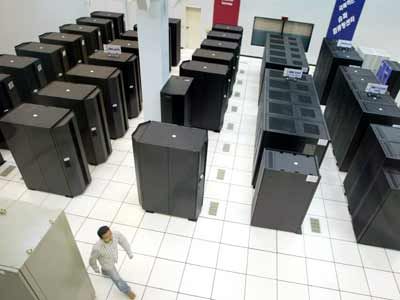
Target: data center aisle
(221, 257)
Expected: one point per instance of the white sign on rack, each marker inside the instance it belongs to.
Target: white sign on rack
(112, 50)
(375, 88)
(344, 44)
(292, 73)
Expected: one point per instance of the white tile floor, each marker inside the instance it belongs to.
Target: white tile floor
(221, 257)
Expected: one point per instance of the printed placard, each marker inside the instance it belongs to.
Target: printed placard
(344, 44)
(376, 88)
(112, 50)
(292, 73)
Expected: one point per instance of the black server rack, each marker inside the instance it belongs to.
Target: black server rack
(276, 206)
(110, 82)
(224, 47)
(105, 25)
(330, 58)
(47, 148)
(27, 73)
(175, 40)
(87, 104)
(356, 110)
(210, 91)
(2, 161)
(91, 34)
(9, 99)
(130, 35)
(225, 36)
(228, 28)
(53, 58)
(176, 97)
(379, 148)
(74, 45)
(393, 80)
(174, 158)
(128, 64)
(117, 18)
(377, 220)
(282, 52)
(218, 57)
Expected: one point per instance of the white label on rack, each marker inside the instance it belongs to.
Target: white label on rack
(344, 44)
(396, 126)
(292, 73)
(322, 142)
(376, 88)
(305, 69)
(10, 85)
(83, 42)
(39, 67)
(112, 50)
(99, 33)
(64, 53)
(312, 178)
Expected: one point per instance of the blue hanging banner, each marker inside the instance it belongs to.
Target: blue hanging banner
(345, 16)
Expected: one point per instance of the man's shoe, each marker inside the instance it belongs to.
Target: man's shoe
(131, 295)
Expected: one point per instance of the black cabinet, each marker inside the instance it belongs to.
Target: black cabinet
(176, 96)
(351, 111)
(53, 58)
(110, 82)
(224, 47)
(47, 148)
(106, 27)
(172, 158)
(218, 57)
(380, 147)
(282, 52)
(9, 99)
(27, 73)
(284, 190)
(128, 64)
(117, 18)
(210, 93)
(228, 28)
(330, 58)
(175, 40)
(86, 101)
(377, 220)
(225, 36)
(74, 45)
(91, 34)
(130, 35)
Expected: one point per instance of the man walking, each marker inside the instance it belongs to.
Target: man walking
(106, 252)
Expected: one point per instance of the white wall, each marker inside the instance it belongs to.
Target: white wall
(24, 20)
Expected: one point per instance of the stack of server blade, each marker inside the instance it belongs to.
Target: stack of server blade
(47, 147)
(224, 47)
(330, 58)
(91, 34)
(272, 197)
(380, 147)
(88, 106)
(350, 110)
(118, 22)
(128, 64)
(9, 99)
(27, 73)
(110, 81)
(53, 57)
(105, 25)
(176, 96)
(210, 91)
(225, 36)
(218, 57)
(289, 118)
(282, 52)
(74, 45)
(229, 28)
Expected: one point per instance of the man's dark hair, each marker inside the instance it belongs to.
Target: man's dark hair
(102, 230)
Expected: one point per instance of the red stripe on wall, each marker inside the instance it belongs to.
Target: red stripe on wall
(226, 12)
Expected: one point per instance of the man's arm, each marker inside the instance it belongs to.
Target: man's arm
(93, 259)
(124, 244)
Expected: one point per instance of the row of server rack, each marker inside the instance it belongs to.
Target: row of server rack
(291, 138)
(174, 152)
(365, 140)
